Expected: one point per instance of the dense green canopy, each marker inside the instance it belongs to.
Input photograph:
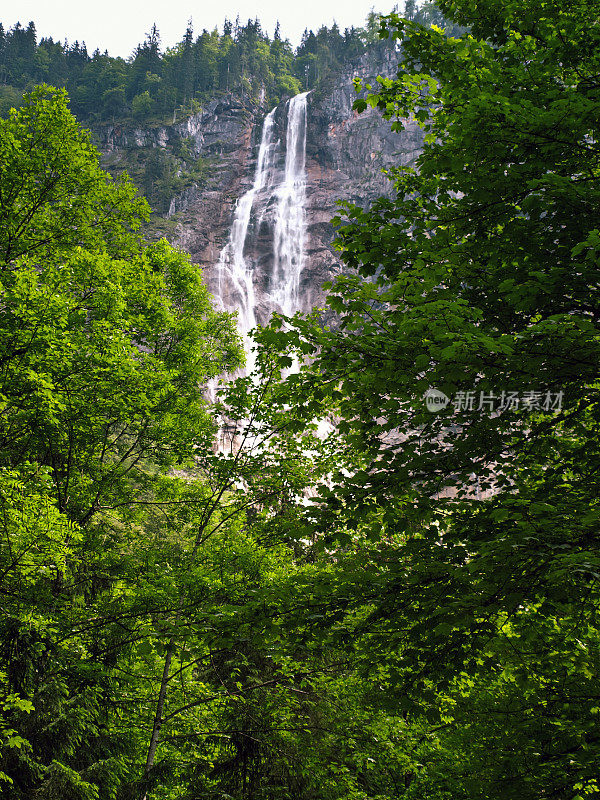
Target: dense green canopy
(406, 608)
(159, 83)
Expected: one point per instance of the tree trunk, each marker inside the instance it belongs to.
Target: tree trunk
(158, 716)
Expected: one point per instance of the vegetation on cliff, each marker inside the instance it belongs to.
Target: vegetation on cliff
(161, 85)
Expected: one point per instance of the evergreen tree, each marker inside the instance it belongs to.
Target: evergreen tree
(188, 65)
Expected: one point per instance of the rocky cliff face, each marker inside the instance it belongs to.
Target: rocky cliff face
(345, 156)
(213, 131)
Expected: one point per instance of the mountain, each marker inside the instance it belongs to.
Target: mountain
(233, 213)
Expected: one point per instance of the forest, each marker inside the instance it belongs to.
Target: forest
(205, 597)
(155, 85)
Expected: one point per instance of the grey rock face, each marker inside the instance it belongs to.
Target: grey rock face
(213, 131)
(346, 155)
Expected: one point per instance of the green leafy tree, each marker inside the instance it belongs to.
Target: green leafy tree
(141, 105)
(114, 102)
(146, 60)
(188, 77)
(99, 331)
(479, 280)
(106, 347)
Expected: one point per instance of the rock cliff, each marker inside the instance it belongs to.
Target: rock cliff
(345, 155)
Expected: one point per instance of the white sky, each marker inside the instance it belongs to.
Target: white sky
(119, 25)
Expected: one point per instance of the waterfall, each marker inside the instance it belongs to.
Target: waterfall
(278, 196)
(232, 266)
(290, 225)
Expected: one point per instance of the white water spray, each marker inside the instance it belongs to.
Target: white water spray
(232, 265)
(290, 222)
(282, 193)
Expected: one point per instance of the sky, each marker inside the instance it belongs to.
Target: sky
(119, 25)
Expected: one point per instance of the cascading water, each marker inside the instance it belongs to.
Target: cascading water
(274, 191)
(277, 197)
(232, 266)
(290, 223)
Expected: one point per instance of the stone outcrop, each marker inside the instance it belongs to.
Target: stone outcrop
(212, 131)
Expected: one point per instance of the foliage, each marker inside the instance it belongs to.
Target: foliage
(141, 105)
(405, 607)
(165, 174)
(141, 650)
(107, 345)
